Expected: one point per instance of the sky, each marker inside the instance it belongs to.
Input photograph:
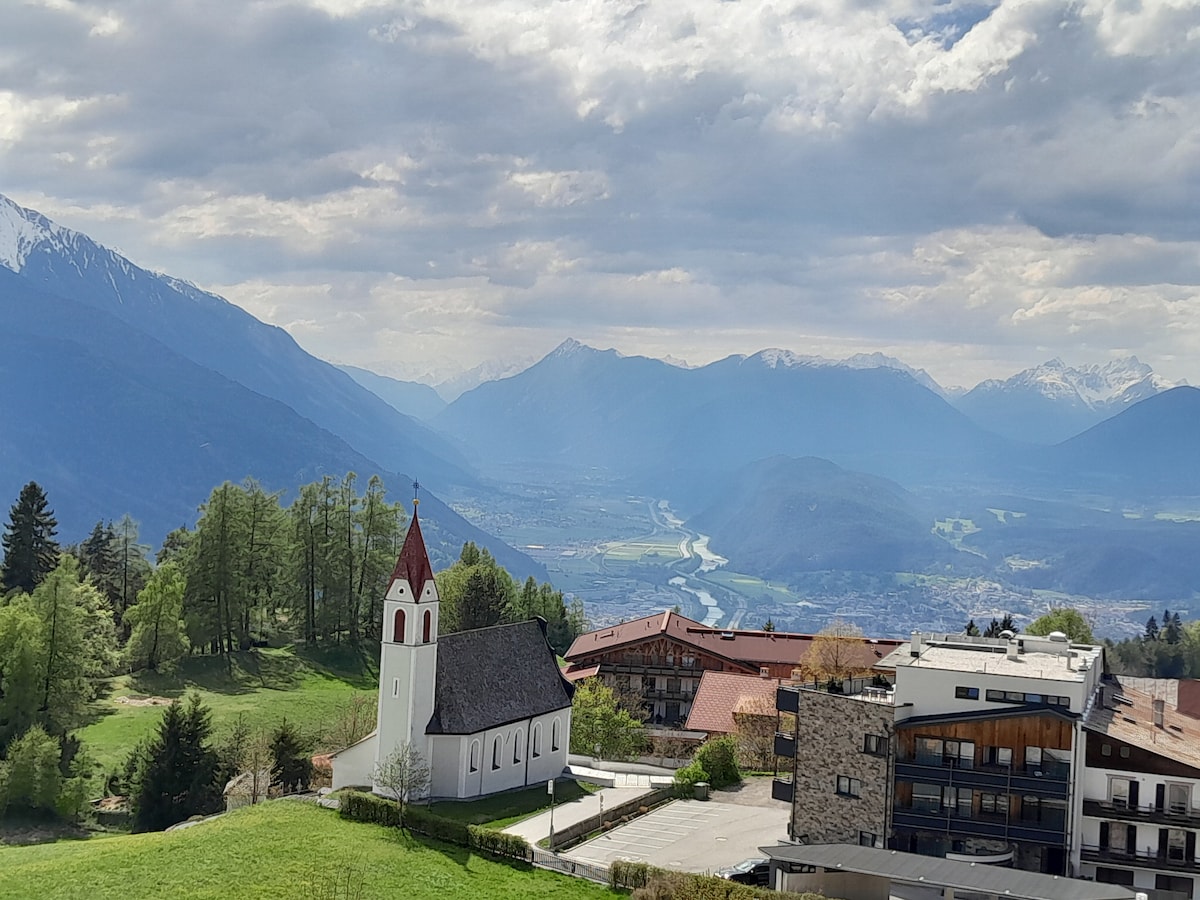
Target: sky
(421, 187)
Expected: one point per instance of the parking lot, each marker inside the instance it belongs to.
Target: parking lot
(690, 836)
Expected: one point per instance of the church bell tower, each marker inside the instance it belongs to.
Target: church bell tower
(408, 649)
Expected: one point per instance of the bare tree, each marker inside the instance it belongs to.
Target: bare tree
(256, 761)
(404, 775)
(837, 653)
(355, 719)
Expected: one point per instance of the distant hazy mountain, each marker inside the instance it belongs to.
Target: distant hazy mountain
(1052, 402)
(110, 418)
(214, 333)
(490, 370)
(580, 407)
(782, 516)
(409, 397)
(1150, 447)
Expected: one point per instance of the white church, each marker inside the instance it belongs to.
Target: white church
(488, 709)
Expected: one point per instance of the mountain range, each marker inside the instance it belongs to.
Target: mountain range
(1053, 402)
(129, 391)
(635, 417)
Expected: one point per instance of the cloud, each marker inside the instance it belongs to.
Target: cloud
(970, 186)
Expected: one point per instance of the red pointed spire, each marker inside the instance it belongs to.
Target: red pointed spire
(413, 564)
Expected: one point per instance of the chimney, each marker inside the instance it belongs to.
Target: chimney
(915, 645)
(1013, 650)
(1189, 698)
(1158, 713)
(1070, 660)
(764, 672)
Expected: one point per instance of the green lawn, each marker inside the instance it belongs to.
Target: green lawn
(502, 810)
(281, 849)
(266, 685)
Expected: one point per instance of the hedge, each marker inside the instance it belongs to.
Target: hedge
(363, 807)
(650, 882)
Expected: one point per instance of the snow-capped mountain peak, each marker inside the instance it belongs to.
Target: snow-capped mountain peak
(21, 230)
(1097, 386)
(774, 358)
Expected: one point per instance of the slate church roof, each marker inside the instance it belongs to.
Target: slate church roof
(490, 677)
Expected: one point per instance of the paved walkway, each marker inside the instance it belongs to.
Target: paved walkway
(535, 828)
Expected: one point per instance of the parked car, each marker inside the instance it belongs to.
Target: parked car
(756, 871)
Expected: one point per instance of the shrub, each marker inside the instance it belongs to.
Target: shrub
(629, 875)
(498, 843)
(362, 807)
(686, 778)
(718, 757)
(664, 885)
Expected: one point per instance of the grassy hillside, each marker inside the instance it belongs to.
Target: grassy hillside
(266, 685)
(283, 849)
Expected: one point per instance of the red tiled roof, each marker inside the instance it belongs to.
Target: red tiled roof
(751, 648)
(573, 673)
(721, 694)
(413, 564)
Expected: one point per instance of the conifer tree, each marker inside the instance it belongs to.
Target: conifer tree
(176, 773)
(30, 550)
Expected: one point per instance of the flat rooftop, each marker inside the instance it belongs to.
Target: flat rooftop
(934, 872)
(1040, 657)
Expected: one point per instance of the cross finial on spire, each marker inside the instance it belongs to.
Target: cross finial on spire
(416, 488)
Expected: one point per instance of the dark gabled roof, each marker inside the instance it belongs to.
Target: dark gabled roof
(932, 871)
(985, 714)
(413, 565)
(492, 676)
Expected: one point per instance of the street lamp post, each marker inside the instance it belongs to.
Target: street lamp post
(550, 791)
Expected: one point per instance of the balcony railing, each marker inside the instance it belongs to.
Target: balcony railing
(987, 826)
(990, 778)
(782, 789)
(1165, 861)
(1106, 809)
(785, 745)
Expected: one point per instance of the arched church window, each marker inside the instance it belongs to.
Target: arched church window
(554, 736)
(427, 627)
(537, 739)
(474, 764)
(518, 740)
(496, 744)
(398, 627)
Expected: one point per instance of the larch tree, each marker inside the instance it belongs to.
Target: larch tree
(30, 549)
(158, 635)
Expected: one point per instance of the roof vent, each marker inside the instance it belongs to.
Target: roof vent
(1007, 635)
(1059, 637)
(727, 635)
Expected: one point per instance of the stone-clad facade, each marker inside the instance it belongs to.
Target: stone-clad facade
(842, 769)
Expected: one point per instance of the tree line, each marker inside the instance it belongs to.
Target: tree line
(251, 570)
